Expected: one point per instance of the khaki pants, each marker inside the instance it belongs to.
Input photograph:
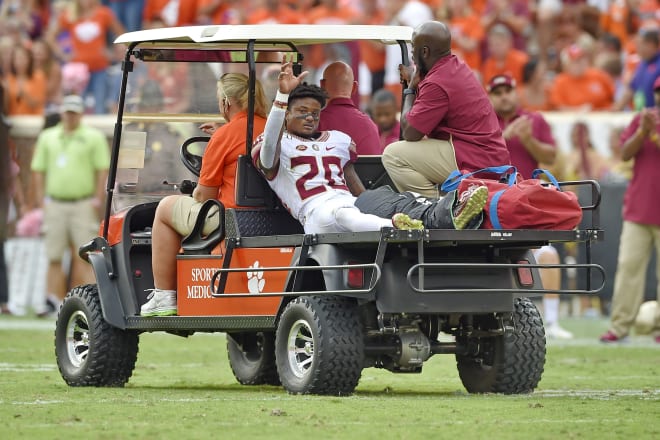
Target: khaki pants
(67, 224)
(635, 248)
(420, 166)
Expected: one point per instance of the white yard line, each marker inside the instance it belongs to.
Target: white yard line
(27, 324)
(26, 368)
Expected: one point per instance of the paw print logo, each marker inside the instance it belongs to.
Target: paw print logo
(255, 278)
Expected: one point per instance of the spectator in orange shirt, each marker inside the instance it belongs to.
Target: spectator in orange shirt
(619, 20)
(273, 12)
(466, 32)
(169, 12)
(89, 25)
(25, 85)
(580, 86)
(503, 58)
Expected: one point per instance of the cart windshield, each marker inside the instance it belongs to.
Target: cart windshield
(171, 94)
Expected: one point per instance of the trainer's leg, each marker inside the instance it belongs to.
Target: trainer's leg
(419, 166)
(634, 255)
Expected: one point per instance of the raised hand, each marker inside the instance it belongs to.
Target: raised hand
(287, 80)
(409, 76)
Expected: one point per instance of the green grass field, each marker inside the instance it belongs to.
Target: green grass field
(184, 389)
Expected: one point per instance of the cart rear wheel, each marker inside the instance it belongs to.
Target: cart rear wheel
(252, 358)
(511, 363)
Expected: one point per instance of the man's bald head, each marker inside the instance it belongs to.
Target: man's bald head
(431, 41)
(338, 80)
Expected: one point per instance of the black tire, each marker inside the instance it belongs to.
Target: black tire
(89, 351)
(319, 346)
(508, 364)
(252, 358)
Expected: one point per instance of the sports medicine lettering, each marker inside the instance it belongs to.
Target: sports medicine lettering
(198, 292)
(203, 273)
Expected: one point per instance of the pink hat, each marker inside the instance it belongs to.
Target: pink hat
(500, 80)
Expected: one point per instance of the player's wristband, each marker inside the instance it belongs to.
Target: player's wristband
(281, 100)
(409, 92)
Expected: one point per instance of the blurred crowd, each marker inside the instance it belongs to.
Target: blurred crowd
(564, 54)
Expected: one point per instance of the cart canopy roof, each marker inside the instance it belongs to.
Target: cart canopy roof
(239, 35)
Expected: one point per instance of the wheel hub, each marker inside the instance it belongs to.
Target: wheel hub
(300, 347)
(77, 338)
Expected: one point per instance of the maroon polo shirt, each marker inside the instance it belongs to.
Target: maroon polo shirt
(342, 114)
(520, 157)
(640, 204)
(452, 102)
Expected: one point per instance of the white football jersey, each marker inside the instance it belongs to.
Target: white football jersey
(310, 169)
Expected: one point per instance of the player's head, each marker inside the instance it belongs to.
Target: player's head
(304, 109)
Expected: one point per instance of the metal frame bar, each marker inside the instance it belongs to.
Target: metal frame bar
(464, 266)
(371, 287)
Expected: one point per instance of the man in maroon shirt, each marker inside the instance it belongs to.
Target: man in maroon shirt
(447, 120)
(341, 113)
(527, 134)
(641, 221)
(529, 139)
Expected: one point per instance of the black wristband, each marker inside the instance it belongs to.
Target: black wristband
(409, 92)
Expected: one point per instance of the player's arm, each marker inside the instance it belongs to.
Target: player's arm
(353, 181)
(269, 154)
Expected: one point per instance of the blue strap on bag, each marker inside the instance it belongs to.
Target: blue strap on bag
(452, 181)
(537, 172)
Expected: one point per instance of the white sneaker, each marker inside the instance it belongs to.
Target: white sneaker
(554, 331)
(160, 303)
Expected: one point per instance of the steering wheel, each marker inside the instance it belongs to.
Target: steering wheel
(192, 161)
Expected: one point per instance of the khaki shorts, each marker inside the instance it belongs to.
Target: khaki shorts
(68, 224)
(420, 166)
(184, 215)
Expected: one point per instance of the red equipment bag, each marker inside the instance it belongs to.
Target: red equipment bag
(514, 203)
